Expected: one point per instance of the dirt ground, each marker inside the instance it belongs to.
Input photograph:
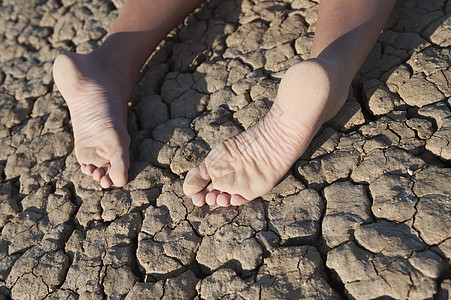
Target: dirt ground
(365, 213)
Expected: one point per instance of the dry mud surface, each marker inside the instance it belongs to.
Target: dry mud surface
(365, 212)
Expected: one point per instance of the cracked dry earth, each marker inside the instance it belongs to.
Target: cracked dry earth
(364, 213)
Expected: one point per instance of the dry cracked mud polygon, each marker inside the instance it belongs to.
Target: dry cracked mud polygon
(364, 213)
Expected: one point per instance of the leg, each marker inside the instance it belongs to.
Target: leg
(97, 86)
(312, 92)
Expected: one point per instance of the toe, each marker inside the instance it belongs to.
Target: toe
(237, 200)
(118, 172)
(196, 180)
(83, 168)
(223, 199)
(211, 197)
(90, 169)
(199, 198)
(98, 174)
(106, 182)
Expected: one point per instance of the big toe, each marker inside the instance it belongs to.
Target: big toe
(196, 180)
(118, 171)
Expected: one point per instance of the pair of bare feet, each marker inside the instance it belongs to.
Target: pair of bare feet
(236, 171)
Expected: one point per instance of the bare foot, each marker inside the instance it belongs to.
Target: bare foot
(250, 164)
(97, 99)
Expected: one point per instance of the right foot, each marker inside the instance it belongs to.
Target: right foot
(97, 101)
(250, 164)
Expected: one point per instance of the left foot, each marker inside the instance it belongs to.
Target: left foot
(250, 164)
(97, 100)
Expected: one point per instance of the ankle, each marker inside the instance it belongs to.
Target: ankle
(119, 74)
(335, 65)
(110, 64)
(339, 84)
(122, 53)
(313, 87)
(330, 65)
